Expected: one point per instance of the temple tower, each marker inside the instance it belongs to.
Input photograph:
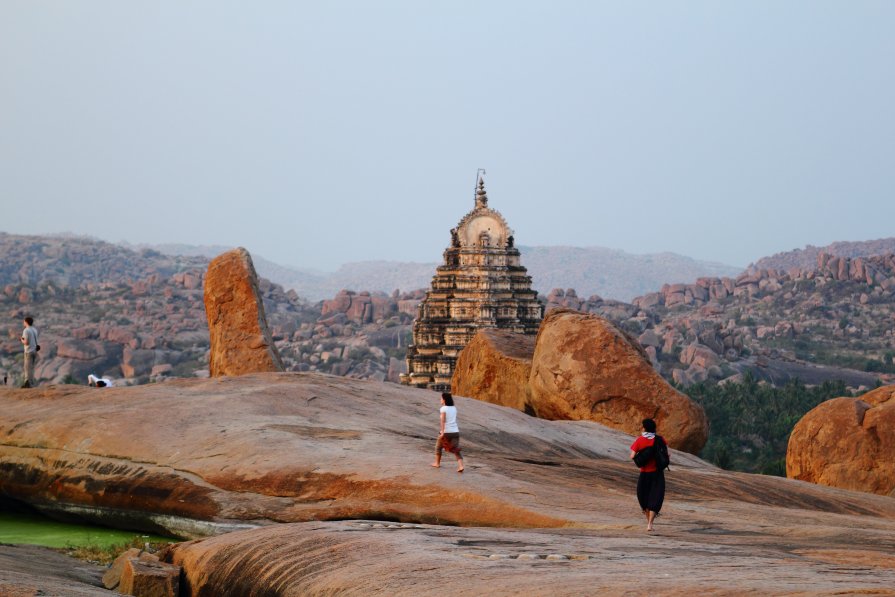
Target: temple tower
(481, 284)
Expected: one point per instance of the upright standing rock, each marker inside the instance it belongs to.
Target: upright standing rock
(240, 339)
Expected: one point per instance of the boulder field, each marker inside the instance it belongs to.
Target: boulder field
(847, 443)
(580, 367)
(343, 466)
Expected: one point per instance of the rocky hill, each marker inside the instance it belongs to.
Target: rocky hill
(139, 316)
(831, 321)
(310, 284)
(807, 257)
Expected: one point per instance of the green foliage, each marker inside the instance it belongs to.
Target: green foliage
(857, 355)
(399, 353)
(750, 422)
(95, 543)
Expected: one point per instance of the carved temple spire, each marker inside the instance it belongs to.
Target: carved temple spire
(481, 284)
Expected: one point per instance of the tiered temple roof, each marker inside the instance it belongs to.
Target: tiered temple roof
(481, 284)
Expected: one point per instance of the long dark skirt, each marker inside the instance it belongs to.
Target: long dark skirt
(651, 491)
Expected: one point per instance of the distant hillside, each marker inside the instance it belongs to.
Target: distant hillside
(139, 316)
(104, 308)
(829, 322)
(70, 261)
(608, 273)
(611, 273)
(807, 258)
(310, 284)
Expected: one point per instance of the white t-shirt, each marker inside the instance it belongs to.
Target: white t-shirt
(92, 379)
(450, 419)
(30, 336)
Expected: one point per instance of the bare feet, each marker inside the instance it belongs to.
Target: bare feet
(436, 464)
(649, 519)
(460, 470)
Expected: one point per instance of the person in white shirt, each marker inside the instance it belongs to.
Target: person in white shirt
(99, 382)
(449, 435)
(29, 343)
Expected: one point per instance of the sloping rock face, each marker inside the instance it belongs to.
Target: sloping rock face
(847, 443)
(585, 368)
(494, 367)
(31, 571)
(193, 457)
(240, 339)
(375, 558)
(345, 465)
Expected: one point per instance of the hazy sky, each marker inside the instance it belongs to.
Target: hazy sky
(317, 133)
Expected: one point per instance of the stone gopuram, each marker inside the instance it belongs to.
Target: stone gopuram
(481, 284)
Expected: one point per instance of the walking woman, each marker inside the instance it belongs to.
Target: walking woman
(651, 483)
(449, 434)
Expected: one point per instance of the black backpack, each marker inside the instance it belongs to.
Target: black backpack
(658, 451)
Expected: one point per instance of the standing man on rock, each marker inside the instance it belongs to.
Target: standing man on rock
(29, 342)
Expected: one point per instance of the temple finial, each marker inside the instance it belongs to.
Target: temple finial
(481, 198)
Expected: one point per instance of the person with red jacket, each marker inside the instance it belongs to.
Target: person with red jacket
(651, 482)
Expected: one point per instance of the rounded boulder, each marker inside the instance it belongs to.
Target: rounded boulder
(586, 368)
(847, 443)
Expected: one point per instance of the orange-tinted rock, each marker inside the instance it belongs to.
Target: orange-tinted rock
(112, 577)
(146, 576)
(240, 338)
(194, 457)
(775, 549)
(349, 459)
(847, 443)
(495, 367)
(585, 368)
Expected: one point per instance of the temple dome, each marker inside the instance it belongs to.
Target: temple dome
(483, 226)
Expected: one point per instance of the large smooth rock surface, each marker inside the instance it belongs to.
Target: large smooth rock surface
(240, 338)
(847, 443)
(193, 456)
(585, 368)
(701, 548)
(208, 455)
(31, 571)
(495, 367)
